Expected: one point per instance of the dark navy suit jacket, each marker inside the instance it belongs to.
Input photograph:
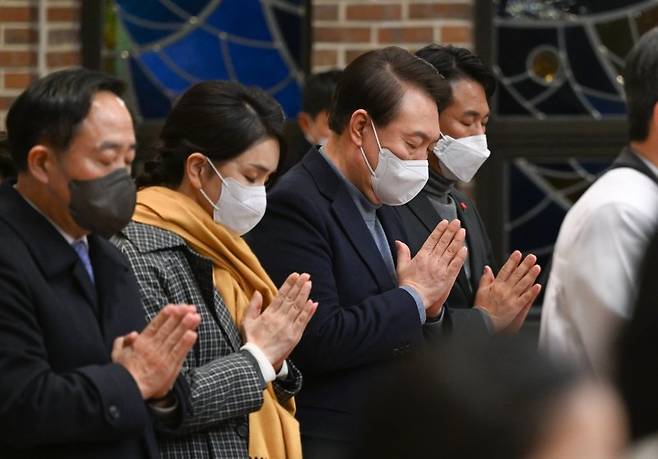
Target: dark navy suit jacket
(60, 394)
(364, 321)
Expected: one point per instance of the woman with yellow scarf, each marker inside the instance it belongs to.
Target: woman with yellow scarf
(201, 193)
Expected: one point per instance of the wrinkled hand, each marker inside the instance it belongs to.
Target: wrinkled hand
(155, 357)
(278, 329)
(432, 272)
(508, 297)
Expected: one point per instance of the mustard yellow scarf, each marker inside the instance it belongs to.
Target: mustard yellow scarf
(237, 274)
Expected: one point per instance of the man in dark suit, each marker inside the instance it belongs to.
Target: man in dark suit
(456, 158)
(78, 379)
(330, 216)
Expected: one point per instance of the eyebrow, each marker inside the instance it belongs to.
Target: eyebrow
(259, 167)
(475, 113)
(110, 145)
(423, 136)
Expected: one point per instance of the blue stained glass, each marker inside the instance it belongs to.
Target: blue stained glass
(515, 44)
(199, 54)
(193, 7)
(529, 88)
(563, 101)
(258, 66)
(243, 18)
(289, 98)
(507, 104)
(607, 106)
(150, 10)
(166, 76)
(145, 35)
(585, 65)
(290, 27)
(152, 102)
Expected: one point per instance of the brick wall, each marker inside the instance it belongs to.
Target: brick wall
(19, 42)
(344, 29)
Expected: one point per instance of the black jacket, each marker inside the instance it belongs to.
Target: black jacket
(60, 394)
(419, 218)
(363, 321)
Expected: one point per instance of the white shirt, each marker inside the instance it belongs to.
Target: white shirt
(593, 281)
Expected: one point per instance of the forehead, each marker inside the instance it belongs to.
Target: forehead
(107, 114)
(469, 95)
(417, 111)
(264, 153)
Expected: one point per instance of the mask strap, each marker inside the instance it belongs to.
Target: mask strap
(216, 171)
(375, 131)
(203, 193)
(363, 153)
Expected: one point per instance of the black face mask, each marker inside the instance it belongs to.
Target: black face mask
(104, 205)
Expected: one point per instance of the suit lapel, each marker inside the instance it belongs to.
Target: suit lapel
(202, 271)
(356, 230)
(331, 185)
(427, 214)
(473, 241)
(51, 252)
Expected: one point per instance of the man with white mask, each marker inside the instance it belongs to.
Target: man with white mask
(457, 156)
(331, 216)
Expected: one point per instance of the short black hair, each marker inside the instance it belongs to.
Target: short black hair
(318, 91)
(641, 84)
(456, 63)
(374, 82)
(50, 110)
(220, 119)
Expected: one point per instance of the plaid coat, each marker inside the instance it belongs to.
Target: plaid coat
(225, 383)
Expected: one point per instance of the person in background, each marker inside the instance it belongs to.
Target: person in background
(81, 376)
(456, 158)
(204, 190)
(636, 372)
(593, 281)
(494, 399)
(313, 118)
(332, 216)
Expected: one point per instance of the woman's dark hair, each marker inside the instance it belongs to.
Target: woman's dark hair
(220, 119)
(375, 82)
(466, 398)
(318, 91)
(456, 63)
(637, 369)
(641, 84)
(50, 110)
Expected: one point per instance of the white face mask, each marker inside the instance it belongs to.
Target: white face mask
(460, 159)
(240, 207)
(396, 181)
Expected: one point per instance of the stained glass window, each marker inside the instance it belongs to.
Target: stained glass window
(163, 46)
(565, 57)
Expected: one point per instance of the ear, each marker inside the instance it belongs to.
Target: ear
(195, 166)
(358, 122)
(304, 122)
(40, 162)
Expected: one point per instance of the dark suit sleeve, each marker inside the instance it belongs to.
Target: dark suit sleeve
(293, 237)
(39, 406)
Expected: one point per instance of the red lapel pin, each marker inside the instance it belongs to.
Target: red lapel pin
(463, 205)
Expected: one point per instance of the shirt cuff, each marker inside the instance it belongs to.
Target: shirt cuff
(283, 372)
(419, 302)
(266, 368)
(163, 410)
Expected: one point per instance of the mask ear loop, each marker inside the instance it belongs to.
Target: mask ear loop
(220, 177)
(363, 153)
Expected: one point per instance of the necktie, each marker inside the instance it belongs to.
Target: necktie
(81, 249)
